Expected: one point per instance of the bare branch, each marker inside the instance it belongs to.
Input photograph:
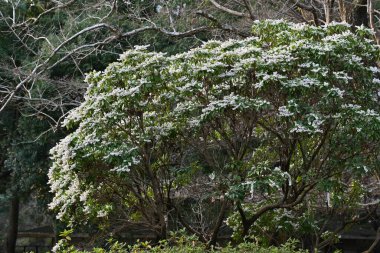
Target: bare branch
(233, 12)
(35, 20)
(250, 9)
(40, 68)
(310, 9)
(372, 25)
(224, 27)
(374, 244)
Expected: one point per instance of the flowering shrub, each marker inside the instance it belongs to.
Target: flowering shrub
(269, 118)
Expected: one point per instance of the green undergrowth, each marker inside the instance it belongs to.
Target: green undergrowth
(177, 244)
(145, 247)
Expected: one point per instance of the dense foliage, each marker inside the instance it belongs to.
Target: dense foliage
(178, 242)
(183, 247)
(266, 123)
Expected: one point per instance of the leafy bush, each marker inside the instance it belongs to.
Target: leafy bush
(182, 244)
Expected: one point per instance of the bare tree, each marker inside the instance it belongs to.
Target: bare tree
(90, 30)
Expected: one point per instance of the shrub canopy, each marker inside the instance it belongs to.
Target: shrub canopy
(268, 118)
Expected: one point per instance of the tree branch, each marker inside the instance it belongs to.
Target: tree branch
(221, 26)
(232, 12)
(310, 9)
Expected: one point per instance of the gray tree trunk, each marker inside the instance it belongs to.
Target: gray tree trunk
(12, 230)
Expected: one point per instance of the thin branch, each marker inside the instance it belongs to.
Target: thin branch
(327, 241)
(372, 25)
(35, 20)
(218, 223)
(225, 9)
(310, 9)
(221, 26)
(40, 68)
(248, 4)
(374, 244)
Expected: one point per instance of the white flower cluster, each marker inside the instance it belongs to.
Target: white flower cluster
(294, 77)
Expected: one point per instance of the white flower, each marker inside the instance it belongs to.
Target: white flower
(283, 111)
(374, 69)
(299, 128)
(102, 213)
(337, 92)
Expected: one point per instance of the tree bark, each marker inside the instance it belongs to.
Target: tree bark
(297, 199)
(359, 13)
(328, 6)
(11, 237)
(342, 11)
(218, 224)
(371, 17)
